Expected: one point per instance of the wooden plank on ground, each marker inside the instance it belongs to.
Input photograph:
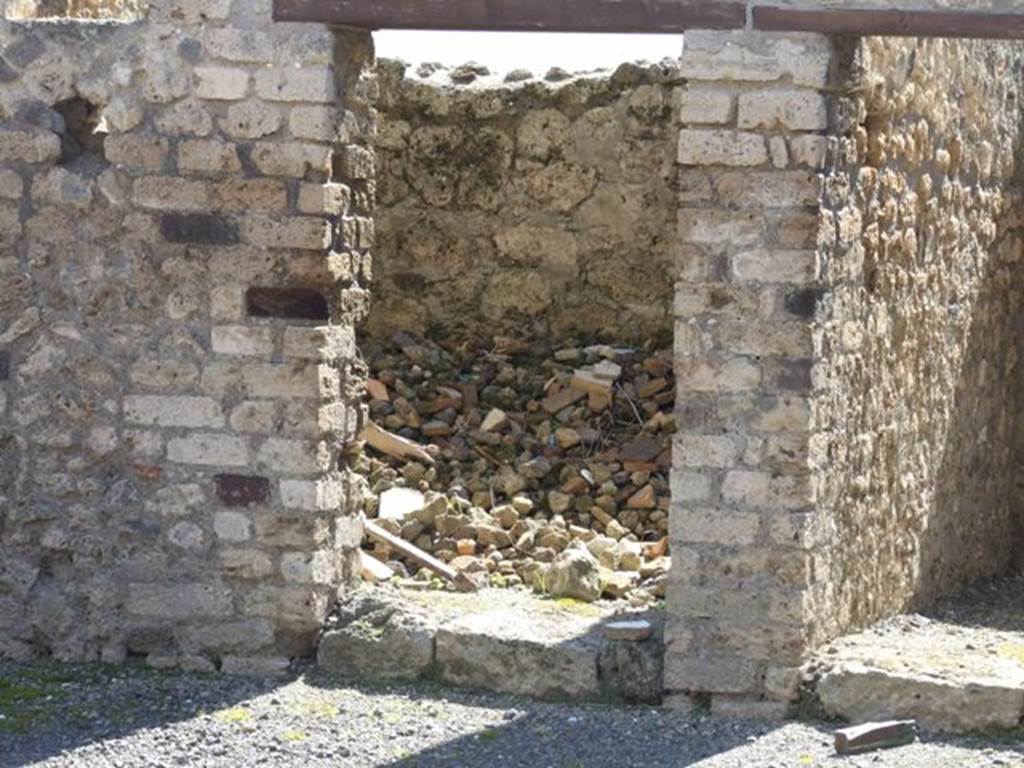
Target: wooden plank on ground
(868, 736)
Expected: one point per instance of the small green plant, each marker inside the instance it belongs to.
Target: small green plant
(233, 715)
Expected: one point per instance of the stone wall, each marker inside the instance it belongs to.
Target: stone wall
(184, 235)
(847, 340)
(918, 395)
(526, 208)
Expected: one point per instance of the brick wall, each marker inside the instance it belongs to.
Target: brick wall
(752, 140)
(184, 237)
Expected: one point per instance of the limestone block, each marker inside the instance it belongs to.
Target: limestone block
(136, 150)
(245, 635)
(706, 106)
(186, 117)
(756, 57)
(315, 123)
(292, 607)
(797, 110)
(11, 185)
(254, 416)
(771, 189)
(239, 45)
(691, 450)
(251, 195)
(178, 601)
(304, 232)
(705, 146)
(324, 199)
(808, 150)
(689, 486)
(242, 340)
(201, 156)
(329, 342)
(245, 564)
(312, 495)
(232, 526)
(292, 159)
(186, 535)
(775, 266)
(710, 525)
(163, 193)
(720, 226)
(308, 567)
(209, 449)
(251, 120)
(735, 375)
(295, 457)
(221, 83)
(306, 84)
(173, 411)
(28, 146)
(261, 380)
(686, 671)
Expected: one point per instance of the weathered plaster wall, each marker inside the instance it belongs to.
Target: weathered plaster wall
(170, 473)
(918, 389)
(527, 208)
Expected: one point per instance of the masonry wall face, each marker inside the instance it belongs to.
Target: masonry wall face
(916, 452)
(754, 117)
(531, 208)
(178, 286)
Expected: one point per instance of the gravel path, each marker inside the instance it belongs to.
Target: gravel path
(92, 716)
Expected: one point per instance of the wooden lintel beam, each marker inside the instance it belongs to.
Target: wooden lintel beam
(670, 16)
(885, 22)
(650, 16)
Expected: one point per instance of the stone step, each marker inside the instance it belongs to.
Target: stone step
(496, 640)
(946, 677)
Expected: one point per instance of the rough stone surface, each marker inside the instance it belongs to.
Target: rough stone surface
(377, 635)
(527, 206)
(918, 396)
(136, 394)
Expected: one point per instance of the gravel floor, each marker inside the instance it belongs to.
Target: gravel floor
(92, 716)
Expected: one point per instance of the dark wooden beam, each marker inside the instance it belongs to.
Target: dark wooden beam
(671, 16)
(866, 22)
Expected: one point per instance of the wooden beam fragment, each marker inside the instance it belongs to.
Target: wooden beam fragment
(888, 22)
(670, 16)
(394, 445)
(460, 581)
(862, 738)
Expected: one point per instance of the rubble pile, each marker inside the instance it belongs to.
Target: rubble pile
(517, 464)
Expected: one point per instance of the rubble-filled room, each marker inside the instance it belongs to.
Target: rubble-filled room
(519, 349)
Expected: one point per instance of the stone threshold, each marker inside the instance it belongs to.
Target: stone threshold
(958, 669)
(501, 640)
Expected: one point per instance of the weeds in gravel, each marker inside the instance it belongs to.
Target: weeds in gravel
(294, 736)
(233, 715)
(23, 702)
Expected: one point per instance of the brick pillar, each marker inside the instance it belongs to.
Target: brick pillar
(753, 118)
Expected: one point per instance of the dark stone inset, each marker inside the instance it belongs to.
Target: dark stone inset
(7, 72)
(803, 303)
(290, 303)
(5, 365)
(198, 228)
(242, 490)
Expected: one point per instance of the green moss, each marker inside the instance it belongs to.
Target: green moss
(24, 702)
